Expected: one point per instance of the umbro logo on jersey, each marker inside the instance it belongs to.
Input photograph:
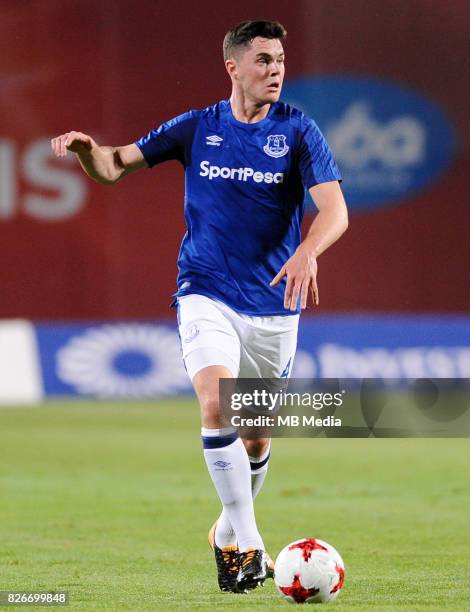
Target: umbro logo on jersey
(214, 140)
(276, 146)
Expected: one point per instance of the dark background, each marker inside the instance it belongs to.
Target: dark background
(115, 69)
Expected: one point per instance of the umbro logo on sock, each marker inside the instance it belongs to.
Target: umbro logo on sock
(223, 465)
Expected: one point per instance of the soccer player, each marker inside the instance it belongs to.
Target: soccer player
(244, 272)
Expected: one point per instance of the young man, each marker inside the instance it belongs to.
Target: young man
(244, 274)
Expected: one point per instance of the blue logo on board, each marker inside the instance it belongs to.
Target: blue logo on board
(389, 141)
(122, 360)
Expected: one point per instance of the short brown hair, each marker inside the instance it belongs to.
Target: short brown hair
(242, 34)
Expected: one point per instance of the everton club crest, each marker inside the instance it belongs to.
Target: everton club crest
(276, 146)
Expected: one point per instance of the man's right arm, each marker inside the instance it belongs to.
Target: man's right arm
(106, 165)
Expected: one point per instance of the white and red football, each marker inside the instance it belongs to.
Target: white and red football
(309, 571)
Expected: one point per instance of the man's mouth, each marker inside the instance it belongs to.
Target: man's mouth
(273, 86)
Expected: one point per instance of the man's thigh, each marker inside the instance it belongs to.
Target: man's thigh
(269, 347)
(208, 337)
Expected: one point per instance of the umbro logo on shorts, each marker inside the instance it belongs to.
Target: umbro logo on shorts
(190, 333)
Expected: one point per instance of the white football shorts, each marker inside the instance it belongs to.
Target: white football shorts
(212, 333)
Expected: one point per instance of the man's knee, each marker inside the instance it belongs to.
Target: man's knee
(255, 447)
(210, 412)
(206, 385)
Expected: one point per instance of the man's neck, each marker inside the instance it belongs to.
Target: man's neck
(247, 111)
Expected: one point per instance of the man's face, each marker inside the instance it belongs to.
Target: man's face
(259, 69)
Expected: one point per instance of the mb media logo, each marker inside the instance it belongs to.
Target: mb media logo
(389, 141)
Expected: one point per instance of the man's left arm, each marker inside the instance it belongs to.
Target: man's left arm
(329, 224)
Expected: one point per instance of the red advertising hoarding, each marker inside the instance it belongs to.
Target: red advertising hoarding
(74, 249)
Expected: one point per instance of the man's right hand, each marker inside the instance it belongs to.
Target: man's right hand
(77, 142)
(105, 165)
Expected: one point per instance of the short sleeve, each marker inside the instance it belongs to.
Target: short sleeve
(171, 140)
(316, 161)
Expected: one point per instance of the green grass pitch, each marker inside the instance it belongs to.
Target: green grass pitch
(112, 502)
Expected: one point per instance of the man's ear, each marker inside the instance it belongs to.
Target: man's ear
(231, 67)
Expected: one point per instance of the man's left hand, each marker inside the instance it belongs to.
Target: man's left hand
(301, 271)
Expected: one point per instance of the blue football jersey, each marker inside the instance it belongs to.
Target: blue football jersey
(244, 201)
